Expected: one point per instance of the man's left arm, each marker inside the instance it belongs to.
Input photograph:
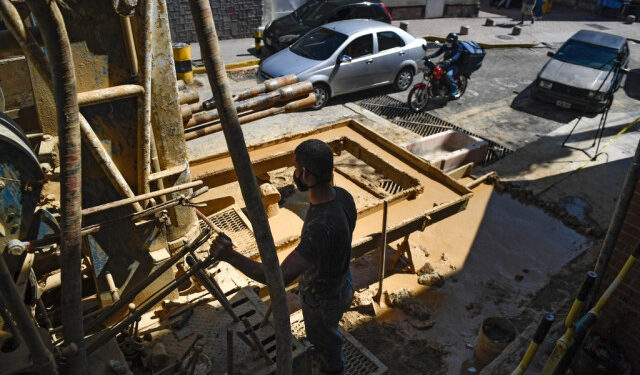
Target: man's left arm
(292, 267)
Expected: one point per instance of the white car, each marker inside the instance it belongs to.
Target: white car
(347, 56)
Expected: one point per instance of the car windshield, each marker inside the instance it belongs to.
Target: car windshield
(318, 44)
(314, 13)
(589, 55)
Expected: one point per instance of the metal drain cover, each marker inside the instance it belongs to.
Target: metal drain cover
(424, 123)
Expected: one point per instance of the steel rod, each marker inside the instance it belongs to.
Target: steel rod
(266, 86)
(212, 56)
(212, 287)
(155, 164)
(53, 30)
(133, 200)
(41, 357)
(144, 124)
(383, 249)
(130, 45)
(307, 102)
(109, 94)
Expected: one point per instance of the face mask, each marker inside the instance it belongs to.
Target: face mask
(299, 184)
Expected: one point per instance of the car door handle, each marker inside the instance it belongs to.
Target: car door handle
(369, 61)
(401, 53)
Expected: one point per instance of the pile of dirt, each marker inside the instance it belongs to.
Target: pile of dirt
(429, 277)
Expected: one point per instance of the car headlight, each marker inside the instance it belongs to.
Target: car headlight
(287, 38)
(545, 84)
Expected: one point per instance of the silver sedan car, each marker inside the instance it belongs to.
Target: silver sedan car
(347, 56)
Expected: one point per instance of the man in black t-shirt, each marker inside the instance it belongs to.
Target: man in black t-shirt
(322, 257)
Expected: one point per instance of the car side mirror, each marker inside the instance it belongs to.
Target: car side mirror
(424, 47)
(624, 70)
(345, 59)
(550, 54)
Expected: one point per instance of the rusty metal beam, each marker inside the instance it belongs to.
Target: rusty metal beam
(109, 94)
(211, 54)
(144, 123)
(130, 45)
(133, 200)
(54, 33)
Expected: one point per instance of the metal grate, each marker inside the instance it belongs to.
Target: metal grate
(357, 359)
(390, 187)
(231, 223)
(424, 123)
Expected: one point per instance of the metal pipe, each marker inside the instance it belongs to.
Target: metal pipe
(144, 125)
(130, 45)
(188, 96)
(266, 86)
(383, 249)
(56, 41)
(212, 287)
(624, 199)
(155, 164)
(109, 94)
(211, 54)
(298, 105)
(36, 56)
(538, 338)
(283, 94)
(41, 357)
(133, 200)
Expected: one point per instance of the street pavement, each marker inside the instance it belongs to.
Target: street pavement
(498, 107)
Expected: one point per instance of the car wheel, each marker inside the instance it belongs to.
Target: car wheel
(404, 79)
(321, 91)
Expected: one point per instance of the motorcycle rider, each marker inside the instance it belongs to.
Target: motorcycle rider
(451, 50)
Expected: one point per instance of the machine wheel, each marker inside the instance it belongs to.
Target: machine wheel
(403, 79)
(418, 99)
(321, 91)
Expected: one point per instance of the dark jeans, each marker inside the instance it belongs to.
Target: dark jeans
(451, 73)
(321, 318)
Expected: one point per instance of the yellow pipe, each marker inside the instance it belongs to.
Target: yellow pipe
(526, 360)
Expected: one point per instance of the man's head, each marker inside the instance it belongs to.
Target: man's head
(452, 39)
(314, 164)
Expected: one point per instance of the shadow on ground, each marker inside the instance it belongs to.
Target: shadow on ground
(525, 103)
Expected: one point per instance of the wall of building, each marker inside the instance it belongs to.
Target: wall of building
(233, 19)
(621, 316)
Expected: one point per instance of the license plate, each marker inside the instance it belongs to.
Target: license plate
(563, 104)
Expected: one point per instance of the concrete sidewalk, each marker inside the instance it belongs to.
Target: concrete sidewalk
(555, 27)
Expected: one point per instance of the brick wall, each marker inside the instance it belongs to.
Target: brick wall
(621, 316)
(233, 19)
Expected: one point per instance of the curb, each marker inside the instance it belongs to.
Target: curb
(431, 38)
(231, 66)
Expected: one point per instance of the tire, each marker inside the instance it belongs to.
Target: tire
(322, 94)
(418, 99)
(404, 79)
(462, 86)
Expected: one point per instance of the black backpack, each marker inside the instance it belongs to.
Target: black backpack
(471, 56)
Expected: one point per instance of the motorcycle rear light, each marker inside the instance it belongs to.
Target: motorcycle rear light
(387, 11)
(438, 72)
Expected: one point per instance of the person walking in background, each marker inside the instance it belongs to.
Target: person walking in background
(527, 10)
(537, 9)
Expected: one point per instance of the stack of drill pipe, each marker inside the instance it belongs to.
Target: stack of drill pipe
(283, 94)
(297, 105)
(187, 110)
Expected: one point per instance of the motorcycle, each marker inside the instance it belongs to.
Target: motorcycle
(434, 84)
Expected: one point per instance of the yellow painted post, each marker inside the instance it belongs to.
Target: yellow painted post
(182, 58)
(257, 37)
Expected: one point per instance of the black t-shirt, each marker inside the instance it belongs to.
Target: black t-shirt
(326, 244)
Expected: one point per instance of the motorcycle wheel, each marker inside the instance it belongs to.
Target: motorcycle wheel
(462, 86)
(418, 99)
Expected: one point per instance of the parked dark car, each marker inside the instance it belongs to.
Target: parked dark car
(284, 31)
(583, 71)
